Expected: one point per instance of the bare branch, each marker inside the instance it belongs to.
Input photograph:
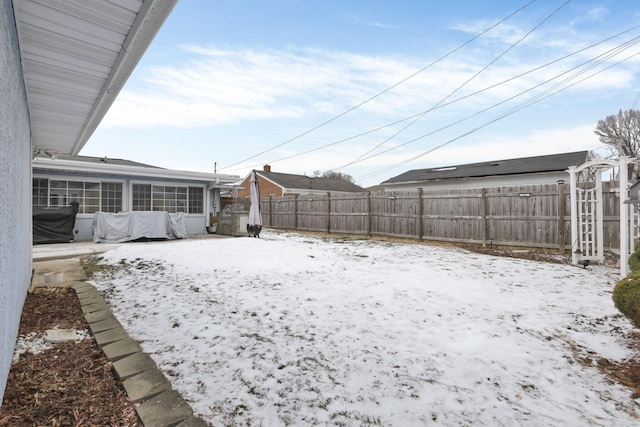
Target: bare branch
(621, 134)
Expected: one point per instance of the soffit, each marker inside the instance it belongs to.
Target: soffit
(76, 56)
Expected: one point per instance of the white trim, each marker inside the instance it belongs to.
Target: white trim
(169, 183)
(133, 171)
(150, 18)
(624, 216)
(84, 178)
(601, 163)
(266, 179)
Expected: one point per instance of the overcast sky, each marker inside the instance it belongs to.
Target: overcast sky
(234, 85)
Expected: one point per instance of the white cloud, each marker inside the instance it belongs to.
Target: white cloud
(298, 88)
(597, 13)
(360, 21)
(497, 147)
(504, 33)
(217, 86)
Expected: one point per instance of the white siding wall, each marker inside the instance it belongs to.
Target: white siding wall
(82, 229)
(15, 191)
(195, 224)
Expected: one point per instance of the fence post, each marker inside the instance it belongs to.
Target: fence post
(485, 221)
(561, 213)
(420, 227)
(270, 210)
(369, 213)
(328, 213)
(624, 216)
(295, 211)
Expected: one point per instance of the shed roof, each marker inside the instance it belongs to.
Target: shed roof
(524, 165)
(291, 181)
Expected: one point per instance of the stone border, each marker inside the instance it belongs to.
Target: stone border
(144, 383)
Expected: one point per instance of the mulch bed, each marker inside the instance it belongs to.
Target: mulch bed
(71, 384)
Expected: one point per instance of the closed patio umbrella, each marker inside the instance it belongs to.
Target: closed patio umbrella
(254, 225)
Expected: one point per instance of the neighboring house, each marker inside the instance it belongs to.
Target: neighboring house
(511, 172)
(116, 185)
(62, 65)
(282, 184)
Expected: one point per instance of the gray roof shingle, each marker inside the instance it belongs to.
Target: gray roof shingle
(291, 181)
(108, 160)
(537, 164)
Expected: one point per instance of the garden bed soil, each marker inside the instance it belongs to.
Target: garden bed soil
(70, 384)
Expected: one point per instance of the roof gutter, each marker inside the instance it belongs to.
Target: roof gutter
(138, 171)
(150, 18)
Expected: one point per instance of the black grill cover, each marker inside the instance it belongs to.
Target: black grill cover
(54, 225)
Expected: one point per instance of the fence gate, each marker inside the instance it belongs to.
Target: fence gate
(587, 235)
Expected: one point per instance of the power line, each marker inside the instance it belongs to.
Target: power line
(441, 105)
(385, 90)
(526, 104)
(486, 67)
(518, 108)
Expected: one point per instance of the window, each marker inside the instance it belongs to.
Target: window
(111, 196)
(141, 197)
(169, 198)
(196, 200)
(40, 192)
(90, 196)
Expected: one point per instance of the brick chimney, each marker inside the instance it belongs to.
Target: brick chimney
(266, 168)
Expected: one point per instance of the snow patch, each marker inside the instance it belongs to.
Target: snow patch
(299, 330)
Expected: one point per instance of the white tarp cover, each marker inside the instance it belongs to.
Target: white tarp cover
(128, 226)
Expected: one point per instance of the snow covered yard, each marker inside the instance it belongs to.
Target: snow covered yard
(296, 330)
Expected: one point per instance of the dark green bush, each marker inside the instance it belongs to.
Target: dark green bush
(626, 296)
(634, 261)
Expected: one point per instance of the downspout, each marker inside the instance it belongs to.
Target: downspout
(208, 204)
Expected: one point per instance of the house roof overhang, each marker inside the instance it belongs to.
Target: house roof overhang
(72, 166)
(76, 56)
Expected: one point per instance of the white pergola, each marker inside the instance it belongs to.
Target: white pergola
(587, 229)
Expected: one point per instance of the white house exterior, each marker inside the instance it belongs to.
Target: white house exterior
(15, 184)
(115, 185)
(536, 170)
(62, 64)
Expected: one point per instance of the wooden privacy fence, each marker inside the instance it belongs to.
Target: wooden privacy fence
(530, 216)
